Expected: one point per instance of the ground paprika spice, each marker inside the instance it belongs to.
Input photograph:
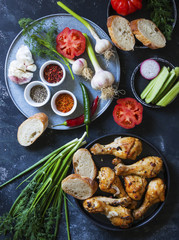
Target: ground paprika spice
(64, 102)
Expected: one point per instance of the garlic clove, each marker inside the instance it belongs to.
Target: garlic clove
(102, 45)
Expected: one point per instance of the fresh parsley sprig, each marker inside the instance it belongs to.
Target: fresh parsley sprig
(162, 15)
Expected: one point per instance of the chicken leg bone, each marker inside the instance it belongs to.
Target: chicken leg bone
(148, 167)
(119, 216)
(155, 193)
(125, 148)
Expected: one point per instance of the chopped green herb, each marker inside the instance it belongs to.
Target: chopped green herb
(162, 15)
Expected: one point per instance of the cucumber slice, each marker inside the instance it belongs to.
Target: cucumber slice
(166, 86)
(169, 96)
(147, 89)
(159, 81)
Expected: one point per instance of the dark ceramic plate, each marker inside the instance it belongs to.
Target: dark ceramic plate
(105, 160)
(138, 83)
(143, 13)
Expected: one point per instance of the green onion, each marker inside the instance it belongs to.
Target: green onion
(36, 212)
(66, 217)
(101, 79)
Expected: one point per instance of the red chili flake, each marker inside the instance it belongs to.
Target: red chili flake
(53, 73)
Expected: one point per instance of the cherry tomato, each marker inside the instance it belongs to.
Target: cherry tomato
(128, 113)
(125, 7)
(70, 43)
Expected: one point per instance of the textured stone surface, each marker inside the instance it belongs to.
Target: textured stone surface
(160, 126)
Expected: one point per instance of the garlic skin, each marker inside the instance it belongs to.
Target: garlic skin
(24, 55)
(102, 79)
(78, 66)
(102, 45)
(21, 70)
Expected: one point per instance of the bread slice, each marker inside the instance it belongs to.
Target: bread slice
(120, 32)
(83, 164)
(79, 187)
(32, 128)
(148, 33)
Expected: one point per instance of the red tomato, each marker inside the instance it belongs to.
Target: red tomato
(125, 7)
(137, 3)
(127, 113)
(70, 43)
(121, 7)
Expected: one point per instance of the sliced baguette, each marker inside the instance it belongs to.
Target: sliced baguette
(32, 128)
(83, 164)
(79, 187)
(120, 32)
(148, 33)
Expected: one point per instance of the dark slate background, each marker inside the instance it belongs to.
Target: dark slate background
(159, 126)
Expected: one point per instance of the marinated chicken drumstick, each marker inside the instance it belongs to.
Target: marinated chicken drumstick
(148, 167)
(123, 201)
(135, 186)
(155, 193)
(109, 182)
(125, 148)
(119, 216)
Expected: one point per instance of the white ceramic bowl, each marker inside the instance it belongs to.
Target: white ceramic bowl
(53, 105)
(41, 73)
(29, 99)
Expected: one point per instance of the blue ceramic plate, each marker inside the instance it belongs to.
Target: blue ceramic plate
(16, 92)
(106, 161)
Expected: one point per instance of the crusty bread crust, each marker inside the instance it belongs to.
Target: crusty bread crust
(112, 32)
(81, 158)
(42, 117)
(138, 34)
(39, 116)
(77, 193)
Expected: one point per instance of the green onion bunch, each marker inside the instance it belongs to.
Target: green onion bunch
(36, 212)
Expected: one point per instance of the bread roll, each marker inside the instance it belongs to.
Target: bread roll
(79, 187)
(32, 128)
(148, 33)
(120, 32)
(83, 164)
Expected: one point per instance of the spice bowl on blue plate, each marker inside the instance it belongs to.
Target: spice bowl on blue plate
(52, 73)
(64, 103)
(37, 94)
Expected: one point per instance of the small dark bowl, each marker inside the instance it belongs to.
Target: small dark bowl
(142, 13)
(148, 149)
(138, 83)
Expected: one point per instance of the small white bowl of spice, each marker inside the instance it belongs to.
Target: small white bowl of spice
(64, 103)
(52, 73)
(36, 94)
